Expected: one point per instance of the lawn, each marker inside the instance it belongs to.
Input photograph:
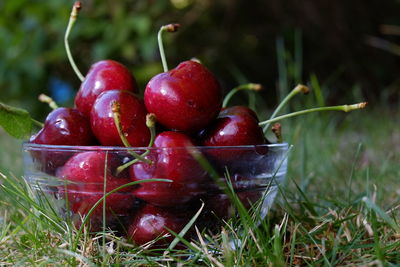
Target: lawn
(340, 205)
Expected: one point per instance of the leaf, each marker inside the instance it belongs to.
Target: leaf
(15, 121)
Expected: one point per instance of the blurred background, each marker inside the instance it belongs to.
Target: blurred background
(352, 47)
(348, 50)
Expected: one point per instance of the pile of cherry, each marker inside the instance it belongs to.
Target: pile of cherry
(120, 144)
(185, 103)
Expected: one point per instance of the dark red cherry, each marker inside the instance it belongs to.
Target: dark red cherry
(85, 175)
(236, 110)
(235, 126)
(170, 160)
(63, 126)
(186, 98)
(133, 119)
(152, 222)
(102, 76)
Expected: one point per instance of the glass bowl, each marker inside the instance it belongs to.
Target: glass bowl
(140, 192)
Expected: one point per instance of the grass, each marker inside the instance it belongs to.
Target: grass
(340, 205)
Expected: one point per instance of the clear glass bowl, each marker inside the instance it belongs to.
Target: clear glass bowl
(76, 178)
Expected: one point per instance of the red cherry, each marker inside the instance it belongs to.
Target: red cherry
(102, 76)
(171, 161)
(236, 110)
(235, 126)
(63, 126)
(152, 222)
(133, 119)
(84, 176)
(186, 98)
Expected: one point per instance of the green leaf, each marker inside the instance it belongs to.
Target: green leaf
(15, 121)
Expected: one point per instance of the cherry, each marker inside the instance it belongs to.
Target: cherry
(84, 185)
(235, 126)
(132, 119)
(63, 126)
(186, 98)
(103, 76)
(170, 160)
(236, 110)
(152, 222)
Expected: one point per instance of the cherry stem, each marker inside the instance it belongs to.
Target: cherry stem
(247, 86)
(298, 89)
(195, 59)
(277, 130)
(71, 22)
(168, 28)
(47, 99)
(151, 124)
(117, 120)
(345, 108)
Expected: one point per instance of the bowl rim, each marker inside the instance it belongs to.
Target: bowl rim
(32, 146)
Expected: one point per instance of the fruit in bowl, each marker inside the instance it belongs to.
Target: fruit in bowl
(174, 183)
(171, 160)
(107, 163)
(87, 176)
(63, 126)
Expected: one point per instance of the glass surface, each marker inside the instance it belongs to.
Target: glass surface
(75, 178)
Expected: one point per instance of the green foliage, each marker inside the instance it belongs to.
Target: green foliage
(16, 122)
(31, 37)
(27, 33)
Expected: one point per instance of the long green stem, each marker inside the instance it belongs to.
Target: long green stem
(248, 86)
(169, 28)
(345, 108)
(299, 88)
(117, 120)
(151, 124)
(71, 22)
